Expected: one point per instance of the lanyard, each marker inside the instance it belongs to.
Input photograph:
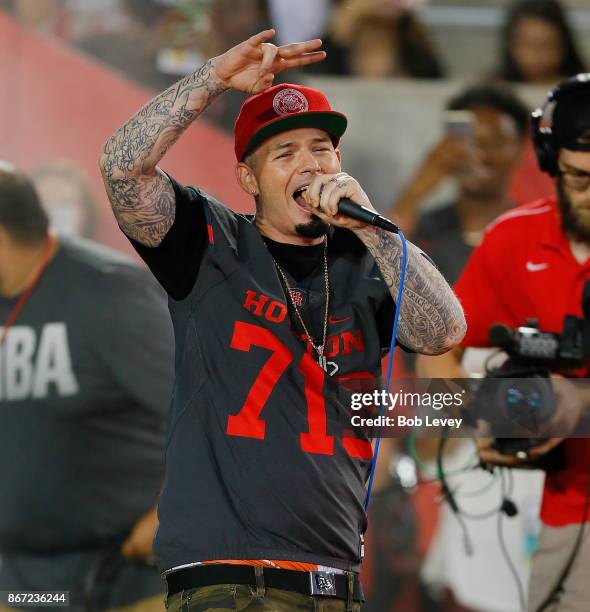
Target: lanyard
(26, 294)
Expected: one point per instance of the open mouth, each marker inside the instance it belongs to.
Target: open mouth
(298, 196)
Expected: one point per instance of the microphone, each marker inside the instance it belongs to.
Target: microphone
(348, 208)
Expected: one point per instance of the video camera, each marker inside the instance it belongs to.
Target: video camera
(517, 397)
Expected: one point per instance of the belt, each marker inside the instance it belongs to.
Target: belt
(327, 584)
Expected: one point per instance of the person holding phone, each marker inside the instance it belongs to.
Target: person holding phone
(485, 129)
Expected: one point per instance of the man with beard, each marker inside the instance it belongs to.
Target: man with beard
(533, 263)
(262, 503)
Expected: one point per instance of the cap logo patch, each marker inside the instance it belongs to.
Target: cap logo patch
(289, 101)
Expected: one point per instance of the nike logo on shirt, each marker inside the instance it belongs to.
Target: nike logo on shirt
(536, 267)
(334, 321)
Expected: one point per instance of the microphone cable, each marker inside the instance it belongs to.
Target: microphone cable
(392, 346)
(507, 507)
(500, 531)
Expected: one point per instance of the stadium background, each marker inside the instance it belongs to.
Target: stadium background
(61, 97)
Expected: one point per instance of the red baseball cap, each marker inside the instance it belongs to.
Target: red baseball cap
(281, 108)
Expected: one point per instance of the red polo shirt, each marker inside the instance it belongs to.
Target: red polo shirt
(524, 268)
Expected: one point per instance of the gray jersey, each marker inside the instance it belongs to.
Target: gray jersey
(85, 380)
(262, 459)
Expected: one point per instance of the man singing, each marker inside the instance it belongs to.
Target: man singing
(262, 503)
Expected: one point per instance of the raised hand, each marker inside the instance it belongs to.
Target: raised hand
(141, 194)
(252, 65)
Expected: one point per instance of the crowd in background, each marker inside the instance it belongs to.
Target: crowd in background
(154, 42)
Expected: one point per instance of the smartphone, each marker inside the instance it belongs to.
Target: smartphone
(459, 124)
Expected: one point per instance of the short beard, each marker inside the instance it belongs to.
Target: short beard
(314, 228)
(572, 223)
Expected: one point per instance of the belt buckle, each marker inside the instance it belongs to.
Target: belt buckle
(323, 583)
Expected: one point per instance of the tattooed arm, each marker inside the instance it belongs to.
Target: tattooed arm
(141, 195)
(431, 319)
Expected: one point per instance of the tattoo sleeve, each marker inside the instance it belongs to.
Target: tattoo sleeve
(431, 319)
(141, 195)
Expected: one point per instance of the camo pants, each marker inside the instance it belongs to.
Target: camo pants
(224, 597)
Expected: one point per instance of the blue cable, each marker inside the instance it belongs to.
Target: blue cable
(400, 293)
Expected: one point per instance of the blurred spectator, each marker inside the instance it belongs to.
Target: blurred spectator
(90, 16)
(379, 39)
(134, 49)
(183, 35)
(528, 182)
(248, 18)
(67, 198)
(538, 45)
(481, 163)
(301, 20)
(85, 348)
(67, 19)
(42, 16)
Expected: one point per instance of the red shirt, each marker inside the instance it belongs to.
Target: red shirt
(524, 268)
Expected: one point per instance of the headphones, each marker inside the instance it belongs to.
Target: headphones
(545, 147)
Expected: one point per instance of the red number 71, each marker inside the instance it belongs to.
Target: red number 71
(247, 421)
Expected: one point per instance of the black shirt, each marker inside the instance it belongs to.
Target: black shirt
(85, 380)
(186, 241)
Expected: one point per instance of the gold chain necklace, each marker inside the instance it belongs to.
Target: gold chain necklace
(318, 348)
